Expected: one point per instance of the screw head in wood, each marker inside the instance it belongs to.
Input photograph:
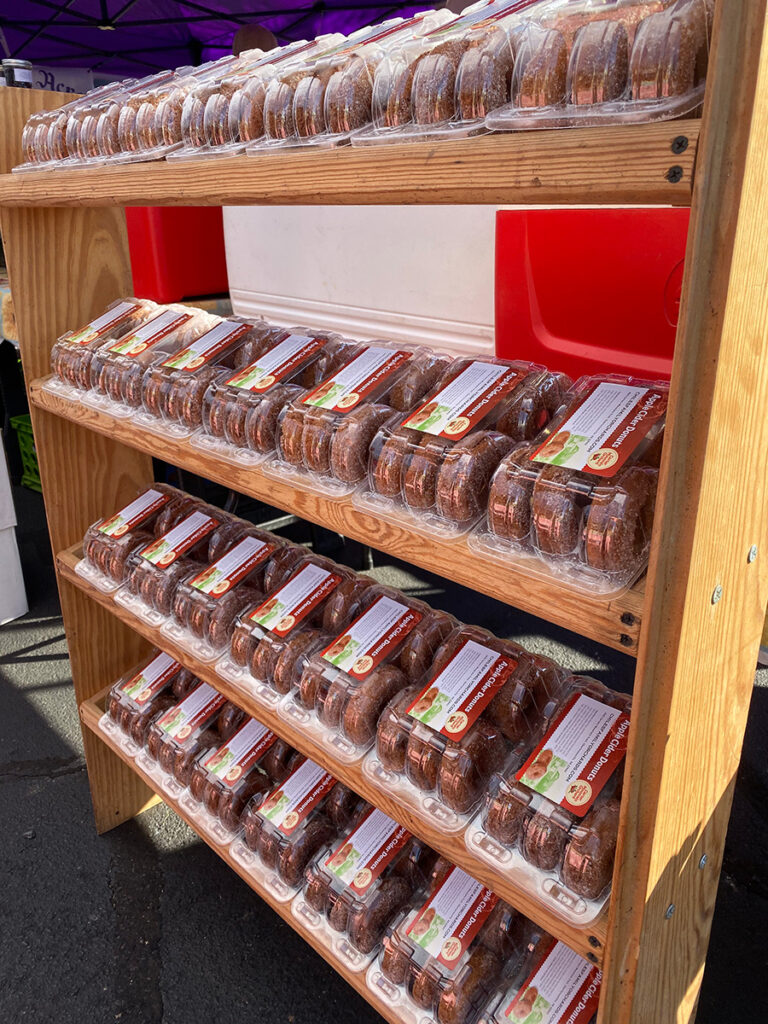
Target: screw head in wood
(717, 593)
(752, 554)
(670, 911)
(680, 144)
(703, 862)
(675, 174)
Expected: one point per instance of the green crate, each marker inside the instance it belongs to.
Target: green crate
(31, 471)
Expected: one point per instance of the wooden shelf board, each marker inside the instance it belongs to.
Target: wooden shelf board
(620, 164)
(614, 622)
(590, 942)
(90, 713)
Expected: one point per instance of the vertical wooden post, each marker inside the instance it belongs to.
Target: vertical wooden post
(65, 265)
(708, 578)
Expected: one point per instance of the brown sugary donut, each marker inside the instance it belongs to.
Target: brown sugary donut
(316, 439)
(230, 719)
(330, 699)
(316, 889)
(619, 520)
(291, 435)
(184, 682)
(221, 622)
(423, 754)
(242, 644)
(268, 847)
(422, 469)
(263, 660)
(312, 678)
(349, 95)
(181, 607)
(466, 767)
(484, 75)
(279, 761)
(352, 439)
(261, 425)
(542, 58)
(599, 65)
(152, 387)
(545, 838)
(292, 658)
(511, 494)
(368, 920)
(389, 458)
(231, 804)
(394, 961)
(191, 410)
(525, 413)
(393, 730)
(281, 566)
(434, 86)
(184, 756)
(142, 721)
(198, 782)
(464, 478)
(504, 931)
(129, 387)
(367, 701)
(297, 853)
(215, 411)
(557, 504)
(309, 102)
(423, 985)
(419, 647)
(344, 807)
(587, 866)
(252, 825)
(420, 375)
(348, 600)
(465, 993)
(338, 910)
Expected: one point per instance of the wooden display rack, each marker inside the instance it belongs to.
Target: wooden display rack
(696, 625)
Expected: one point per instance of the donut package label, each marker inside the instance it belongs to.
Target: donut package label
(452, 701)
(280, 361)
(364, 374)
(165, 550)
(233, 759)
(604, 429)
(151, 680)
(102, 324)
(563, 989)
(219, 578)
(296, 599)
(288, 805)
(134, 514)
(207, 346)
(191, 714)
(462, 404)
(360, 857)
(446, 925)
(150, 333)
(578, 755)
(372, 637)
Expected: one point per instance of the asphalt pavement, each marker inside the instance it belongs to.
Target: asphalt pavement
(146, 925)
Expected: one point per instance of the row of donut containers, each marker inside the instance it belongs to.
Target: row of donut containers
(508, 65)
(479, 736)
(431, 939)
(559, 478)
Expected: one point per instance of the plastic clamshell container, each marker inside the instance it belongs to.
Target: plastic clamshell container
(116, 369)
(432, 468)
(241, 411)
(551, 817)
(72, 353)
(439, 744)
(353, 677)
(593, 63)
(176, 739)
(138, 698)
(578, 503)
(272, 640)
(443, 960)
(284, 830)
(156, 570)
(553, 984)
(354, 889)
(109, 543)
(173, 388)
(207, 604)
(324, 436)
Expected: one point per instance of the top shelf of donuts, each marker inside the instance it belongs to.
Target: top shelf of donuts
(431, 109)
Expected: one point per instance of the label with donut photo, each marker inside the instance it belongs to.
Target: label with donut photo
(133, 515)
(192, 713)
(604, 429)
(452, 702)
(372, 637)
(563, 989)
(150, 333)
(153, 678)
(102, 324)
(289, 605)
(578, 754)
(230, 762)
(361, 376)
(218, 578)
(359, 858)
(280, 361)
(465, 401)
(446, 925)
(207, 346)
(288, 805)
(165, 550)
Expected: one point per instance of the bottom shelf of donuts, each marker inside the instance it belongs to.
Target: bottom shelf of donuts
(418, 938)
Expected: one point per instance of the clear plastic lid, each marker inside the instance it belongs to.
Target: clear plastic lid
(580, 500)
(433, 467)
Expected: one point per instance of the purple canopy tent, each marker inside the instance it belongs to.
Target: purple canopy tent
(137, 37)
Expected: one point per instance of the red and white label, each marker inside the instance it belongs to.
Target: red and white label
(604, 429)
(207, 346)
(563, 989)
(288, 805)
(102, 324)
(446, 925)
(451, 703)
(372, 637)
(150, 333)
(165, 550)
(193, 713)
(357, 379)
(360, 858)
(578, 755)
(240, 753)
(219, 577)
(152, 679)
(133, 515)
(462, 404)
(276, 364)
(296, 599)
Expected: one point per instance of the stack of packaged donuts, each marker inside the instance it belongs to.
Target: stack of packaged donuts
(555, 476)
(503, 65)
